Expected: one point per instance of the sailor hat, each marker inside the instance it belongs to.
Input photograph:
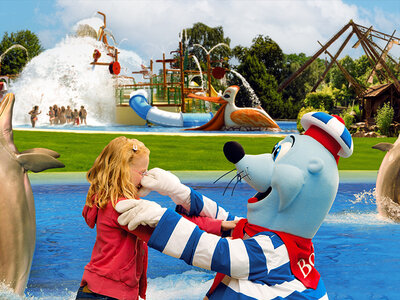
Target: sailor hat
(330, 132)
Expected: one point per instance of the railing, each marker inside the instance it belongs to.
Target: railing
(165, 94)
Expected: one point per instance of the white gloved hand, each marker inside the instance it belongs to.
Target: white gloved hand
(136, 212)
(165, 183)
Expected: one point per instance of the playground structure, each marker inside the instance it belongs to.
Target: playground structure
(114, 67)
(168, 91)
(377, 57)
(163, 98)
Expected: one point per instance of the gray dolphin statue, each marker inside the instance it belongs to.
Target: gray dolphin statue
(388, 181)
(17, 207)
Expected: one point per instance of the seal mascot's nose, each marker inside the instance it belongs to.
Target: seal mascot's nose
(233, 151)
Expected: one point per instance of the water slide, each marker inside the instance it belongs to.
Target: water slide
(139, 103)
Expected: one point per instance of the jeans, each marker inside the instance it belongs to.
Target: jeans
(89, 296)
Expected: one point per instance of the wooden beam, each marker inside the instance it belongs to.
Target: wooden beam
(391, 58)
(380, 35)
(350, 79)
(368, 52)
(295, 74)
(181, 58)
(332, 61)
(384, 65)
(362, 38)
(381, 56)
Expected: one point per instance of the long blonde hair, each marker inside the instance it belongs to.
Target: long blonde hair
(110, 177)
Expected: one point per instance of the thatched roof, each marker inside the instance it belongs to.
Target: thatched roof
(377, 90)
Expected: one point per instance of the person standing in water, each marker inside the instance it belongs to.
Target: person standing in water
(82, 115)
(34, 113)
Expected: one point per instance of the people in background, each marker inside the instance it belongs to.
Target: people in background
(82, 115)
(51, 115)
(34, 113)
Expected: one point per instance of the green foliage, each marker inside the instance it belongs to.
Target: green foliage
(384, 117)
(349, 117)
(302, 112)
(323, 100)
(260, 65)
(14, 61)
(208, 37)
(297, 90)
(263, 84)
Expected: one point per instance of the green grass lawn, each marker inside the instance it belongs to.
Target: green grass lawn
(79, 150)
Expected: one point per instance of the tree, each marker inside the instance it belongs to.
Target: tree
(297, 90)
(207, 37)
(14, 61)
(267, 52)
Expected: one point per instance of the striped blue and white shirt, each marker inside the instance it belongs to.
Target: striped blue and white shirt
(255, 268)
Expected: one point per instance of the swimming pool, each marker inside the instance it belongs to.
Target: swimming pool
(286, 128)
(356, 250)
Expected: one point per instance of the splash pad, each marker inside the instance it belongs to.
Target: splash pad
(64, 76)
(71, 74)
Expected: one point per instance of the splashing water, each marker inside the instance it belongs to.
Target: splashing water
(201, 73)
(254, 99)
(388, 208)
(63, 76)
(361, 213)
(368, 197)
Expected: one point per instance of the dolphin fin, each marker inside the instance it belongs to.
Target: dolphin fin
(42, 151)
(383, 146)
(37, 162)
(292, 185)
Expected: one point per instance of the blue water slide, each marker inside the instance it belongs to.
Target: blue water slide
(139, 103)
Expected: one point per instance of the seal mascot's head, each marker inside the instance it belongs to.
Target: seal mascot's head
(297, 183)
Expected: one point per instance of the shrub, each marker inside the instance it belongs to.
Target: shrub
(384, 118)
(349, 117)
(302, 112)
(320, 100)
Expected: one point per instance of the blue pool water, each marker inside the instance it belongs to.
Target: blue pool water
(286, 127)
(357, 252)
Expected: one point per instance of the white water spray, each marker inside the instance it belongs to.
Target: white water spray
(254, 99)
(201, 73)
(63, 76)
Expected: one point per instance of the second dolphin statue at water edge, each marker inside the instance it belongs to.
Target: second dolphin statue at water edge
(17, 207)
(388, 181)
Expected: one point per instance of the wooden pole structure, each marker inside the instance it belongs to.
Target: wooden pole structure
(381, 35)
(394, 79)
(182, 77)
(164, 77)
(332, 61)
(364, 36)
(349, 78)
(367, 50)
(391, 58)
(295, 74)
(381, 56)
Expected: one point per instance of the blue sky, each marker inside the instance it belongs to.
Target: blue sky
(151, 27)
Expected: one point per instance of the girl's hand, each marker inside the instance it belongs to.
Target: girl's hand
(228, 225)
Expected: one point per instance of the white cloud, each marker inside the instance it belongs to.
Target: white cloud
(152, 27)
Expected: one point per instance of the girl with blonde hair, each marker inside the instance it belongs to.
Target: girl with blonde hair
(117, 268)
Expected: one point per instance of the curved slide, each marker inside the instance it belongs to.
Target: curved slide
(138, 102)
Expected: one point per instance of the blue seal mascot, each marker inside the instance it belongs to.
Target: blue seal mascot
(270, 254)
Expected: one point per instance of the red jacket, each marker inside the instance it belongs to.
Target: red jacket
(118, 264)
